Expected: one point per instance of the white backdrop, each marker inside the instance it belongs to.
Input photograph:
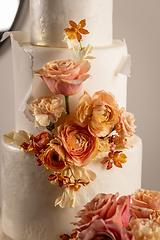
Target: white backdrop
(138, 22)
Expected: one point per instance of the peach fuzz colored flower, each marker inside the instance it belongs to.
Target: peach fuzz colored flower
(144, 229)
(101, 229)
(53, 158)
(125, 126)
(100, 113)
(65, 77)
(106, 207)
(46, 109)
(79, 144)
(145, 203)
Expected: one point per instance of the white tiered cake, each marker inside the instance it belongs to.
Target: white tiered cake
(28, 198)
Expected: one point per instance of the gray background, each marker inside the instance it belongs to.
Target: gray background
(138, 22)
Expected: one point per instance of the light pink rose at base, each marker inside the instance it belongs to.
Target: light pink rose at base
(65, 77)
(101, 230)
(106, 207)
(145, 202)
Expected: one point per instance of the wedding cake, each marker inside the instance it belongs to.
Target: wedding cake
(73, 136)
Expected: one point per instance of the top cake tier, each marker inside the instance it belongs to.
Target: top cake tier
(48, 20)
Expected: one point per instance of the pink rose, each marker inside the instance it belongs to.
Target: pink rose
(65, 77)
(145, 203)
(101, 230)
(79, 144)
(106, 207)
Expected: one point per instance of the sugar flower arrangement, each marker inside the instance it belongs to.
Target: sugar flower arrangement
(71, 140)
(108, 216)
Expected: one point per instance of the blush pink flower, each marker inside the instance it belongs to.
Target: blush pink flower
(99, 113)
(79, 144)
(125, 126)
(145, 203)
(101, 230)
(106, 207)
(65, 77)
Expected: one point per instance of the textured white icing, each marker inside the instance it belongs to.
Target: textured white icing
(28, 210)
(104, 69)
(49, 18)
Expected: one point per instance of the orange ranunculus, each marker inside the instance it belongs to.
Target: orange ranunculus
(145, 203)
(54, 158)
(41, 142)
(65, 77)
(80, 145)
(100, 113)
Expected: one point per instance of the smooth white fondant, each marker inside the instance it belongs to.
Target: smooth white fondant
(28, 210)
(49, 18)
(104, 68)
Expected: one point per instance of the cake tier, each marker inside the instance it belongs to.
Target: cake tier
(49, 18)
(28, 210)
(108, 72)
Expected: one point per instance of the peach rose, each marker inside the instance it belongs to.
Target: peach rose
(79, 144)
(100, 113)
(145, 202)
(46, 109)
(54, 158)
(106, 207)
(100, 229)
(66, 76)
(125, 126)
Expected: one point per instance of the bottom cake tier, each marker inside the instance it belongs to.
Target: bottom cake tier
(28, 198)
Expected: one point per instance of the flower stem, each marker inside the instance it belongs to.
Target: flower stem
(67, 104)
(81, 48)
(50, 127)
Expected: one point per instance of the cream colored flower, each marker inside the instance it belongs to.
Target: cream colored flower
(72, 43)
(46, 109)
(82, 173)
(125, 126)
(100, 113)
(63, 200)
(16, 137)
(103, 145)
(144, 229)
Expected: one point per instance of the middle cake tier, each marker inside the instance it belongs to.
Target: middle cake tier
(109, 71)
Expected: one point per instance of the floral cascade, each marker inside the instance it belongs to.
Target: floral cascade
(71, 140)
(108, 216)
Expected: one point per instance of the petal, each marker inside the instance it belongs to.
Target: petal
(42, 119)
(67, 89)
(20, 137)
(62, 201)
(51, 84)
